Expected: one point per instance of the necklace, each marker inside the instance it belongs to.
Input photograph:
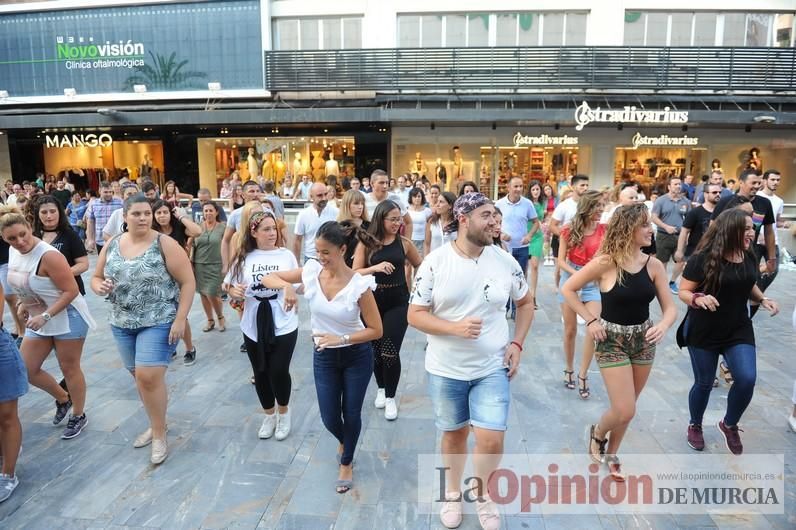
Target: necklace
(456, 244)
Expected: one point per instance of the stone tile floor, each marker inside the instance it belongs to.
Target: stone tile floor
(219, 475)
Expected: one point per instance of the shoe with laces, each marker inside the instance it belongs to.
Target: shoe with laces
(673, 288)
(451, 513)
(160, 451)
(390, 409)
(282, 426)
(74, 426)
(731, 437)
(380, 399)
(488, 514)
(61, 409)
(189, 358)
(7, 486)
(268, 427)
(695, 438)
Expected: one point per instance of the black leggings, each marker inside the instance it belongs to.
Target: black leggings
(393, 303)
(274, 382)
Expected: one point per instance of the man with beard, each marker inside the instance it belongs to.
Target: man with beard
(310, 219)
(471, 355)
(696, 223)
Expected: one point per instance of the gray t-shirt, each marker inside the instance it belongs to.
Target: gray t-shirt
(670, 211)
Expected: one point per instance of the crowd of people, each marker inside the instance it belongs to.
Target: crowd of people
(371, 259)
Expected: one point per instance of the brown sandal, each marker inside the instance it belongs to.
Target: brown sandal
(210, 325)
(222, 323)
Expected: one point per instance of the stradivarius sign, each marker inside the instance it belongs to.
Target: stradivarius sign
(663, 140)
(585, 115)
(521, 140)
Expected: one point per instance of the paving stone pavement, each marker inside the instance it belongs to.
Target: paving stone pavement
(219, 475)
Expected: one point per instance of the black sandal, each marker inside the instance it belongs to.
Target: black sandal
(583, 390)
(600, 445)
(569, 382)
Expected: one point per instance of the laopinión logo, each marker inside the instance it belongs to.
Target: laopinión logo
(584, 115)
(84, 54)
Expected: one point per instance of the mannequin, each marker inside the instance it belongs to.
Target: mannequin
(317, 165)
(299, 167)
(268, 167)
(715, 165)
(146, 166)
(332, 167)
(754, 159)
(418, 165)
(279, 167)
(457, 167)
(440, 173)
(251, 161)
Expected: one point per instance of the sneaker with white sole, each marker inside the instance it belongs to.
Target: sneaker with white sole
(380, 399)
(268, 427)
(390, 409)
(451, 513)
(488, 514)
(160, 450)
(7, 486)
(74, 426)
(282, 426)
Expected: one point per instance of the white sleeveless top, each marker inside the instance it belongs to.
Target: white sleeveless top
(37, 293)
(438, 237)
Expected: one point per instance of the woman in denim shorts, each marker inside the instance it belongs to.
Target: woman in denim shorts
(628, 280)
(578, 244)
(149, 282)
(13, 385)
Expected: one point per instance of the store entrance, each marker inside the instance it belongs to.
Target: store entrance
(548, 164)
(652, 166)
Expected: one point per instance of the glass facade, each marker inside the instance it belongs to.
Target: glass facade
(317, 33)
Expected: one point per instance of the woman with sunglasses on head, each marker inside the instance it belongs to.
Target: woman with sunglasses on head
(718, 283)
(628, 281)
(345, 322)
(270, 321)
(386, 260)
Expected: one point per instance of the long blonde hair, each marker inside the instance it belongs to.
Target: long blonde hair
(618, 243)
(352, 197)
(588, 204)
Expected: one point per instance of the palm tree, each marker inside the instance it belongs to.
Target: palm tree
(164, 74)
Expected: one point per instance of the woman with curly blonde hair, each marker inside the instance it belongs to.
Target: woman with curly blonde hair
(628, 280)
(579, 242)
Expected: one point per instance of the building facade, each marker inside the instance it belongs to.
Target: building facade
(191, 91)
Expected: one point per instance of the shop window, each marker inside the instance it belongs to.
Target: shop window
(455, 31)
(553, 29)
(705, 29)
(506, 29)
(478, 30)
(576, 29)
(408, 31)
(432, 31)
(681, 27)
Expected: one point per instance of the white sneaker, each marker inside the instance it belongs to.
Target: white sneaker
(268, 426)
(792, 422)
(7, 486)
(390, 409)
(282, 426)
(380, 399)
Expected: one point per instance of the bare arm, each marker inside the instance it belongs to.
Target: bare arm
(297, 247)
(412, 255)
(225, 250)
(191, 229)
(54, 266)
(665, 299)
(592, 272)
(370, 316)
(555, 226)
(563, 249)
(408, 224)
(360, 262)
(281, 279)
(427, 240)
(771, 247)
(179, 267)
(80, 266)
(99, 274)
(534, 228)
(682, 240)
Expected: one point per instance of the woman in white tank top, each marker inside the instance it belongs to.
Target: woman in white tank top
(435, 228)
(55, 314)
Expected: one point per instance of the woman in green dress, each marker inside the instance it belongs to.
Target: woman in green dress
(207, 266)
(535, 248)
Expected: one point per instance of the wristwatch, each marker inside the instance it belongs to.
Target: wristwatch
(346, 340)
(46, 316)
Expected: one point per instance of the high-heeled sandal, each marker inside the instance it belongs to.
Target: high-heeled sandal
(614, 468)
(725, 373)
(210, 325)
(568, 381)
(583, 390)
(600, 455)
(222, 326)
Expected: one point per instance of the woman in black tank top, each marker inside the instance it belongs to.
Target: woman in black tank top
(386, 263)
(624, 335)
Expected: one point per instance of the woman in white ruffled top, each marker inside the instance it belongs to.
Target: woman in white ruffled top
(344, 320)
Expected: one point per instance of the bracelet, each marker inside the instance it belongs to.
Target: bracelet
(695, 298)
(592, 321)
(517, 344)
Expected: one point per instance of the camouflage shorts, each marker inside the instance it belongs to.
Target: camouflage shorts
(624, 345)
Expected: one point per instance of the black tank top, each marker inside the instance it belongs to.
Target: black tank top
(394, 253)
(629, 304)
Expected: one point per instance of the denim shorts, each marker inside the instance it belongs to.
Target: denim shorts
(147, 346)
(78, 328)
(589, 293)
(483, 402)
(13, 374)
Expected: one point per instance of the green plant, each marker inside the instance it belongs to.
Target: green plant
(164, 74)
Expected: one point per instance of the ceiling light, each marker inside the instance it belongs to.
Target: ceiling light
(139, 89)
(3, 94)
(70, 92)
(214, 86)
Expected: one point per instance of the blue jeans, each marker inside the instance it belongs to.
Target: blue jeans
(341, 380)
(742, 362)
(521, 255)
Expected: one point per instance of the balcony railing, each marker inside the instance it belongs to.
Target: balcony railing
(499, 70)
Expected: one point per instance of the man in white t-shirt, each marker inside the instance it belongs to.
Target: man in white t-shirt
(771, 180)
(380, 182)
(309, 220)
(471, 355)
